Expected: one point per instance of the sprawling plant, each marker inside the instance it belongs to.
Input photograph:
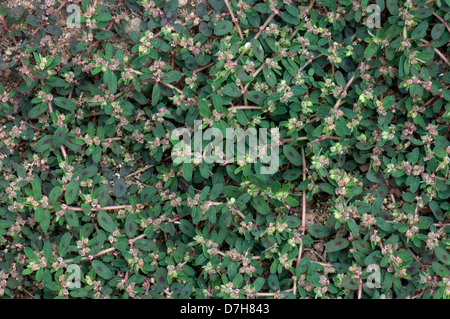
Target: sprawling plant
(93, 205)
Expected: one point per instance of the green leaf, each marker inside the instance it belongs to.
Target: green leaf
(145, 244)
(257, 97)
(260, 205)
(289, 18)
(437, 31)
(65, 103)
(112, 81)
(216, 190)
(64, 244)
(420, 31)
(350, 283)
(54, 194)
(392, 7)
(161, 277)
(72, 218)
(45, 220)
(292, 155)
(147, 194)
(232, 90)
(375, 177)
(273, 282)
(38, 110)
(327, 188)
(436, 209)
(258, 182)
(336, 245)
(204, 29)
(156, 94)
(353, 191)
(172, 76)
(362, 246)
(59, 136)
(36, 186)
(44, 143)
(440, 269)
(54, 30)
(120, 188)
(71, 194)
(318, 231)
(269, 76)
(106, 222)
(88, 172)
(223, 27)
(187, 228)
(370, 50)
(292, 174)
(257, 49)
(130, 225)
(442, 255)
(187, 171)
(104, 34)
(101, 269)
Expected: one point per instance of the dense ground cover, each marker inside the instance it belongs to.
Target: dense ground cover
(355, 95)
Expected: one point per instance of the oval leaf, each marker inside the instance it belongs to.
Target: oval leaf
(101, 269)
(106, 222)
(336, 245)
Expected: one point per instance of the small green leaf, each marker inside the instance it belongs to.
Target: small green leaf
(269, 76)
(442, 255)
(260, 205)
(292, 174)
(232, 90)
(130, 225)
(59, 136)
(104, 34)
(216, 190)
(420, 31)
(392, 7)
(120, 188)
(441, 270)
(145, 244)
(71, 194)
(257, 97)
(54, 194)
(350, 283)
(101, 269)
(38, 110)
(64, 244)
(223, 27)
(54, 30)
(72, 218)
(172, 76)
(336, 245)
(273, 282)
(362, 246)
(106, 222)
(147, 194)
(370, 50)
(187, 228)
(44, 143)
(36, 186)
(437, 31)
(292, 155)
(257, 49)
(375, 177)
(318, 231)
(65, 103)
